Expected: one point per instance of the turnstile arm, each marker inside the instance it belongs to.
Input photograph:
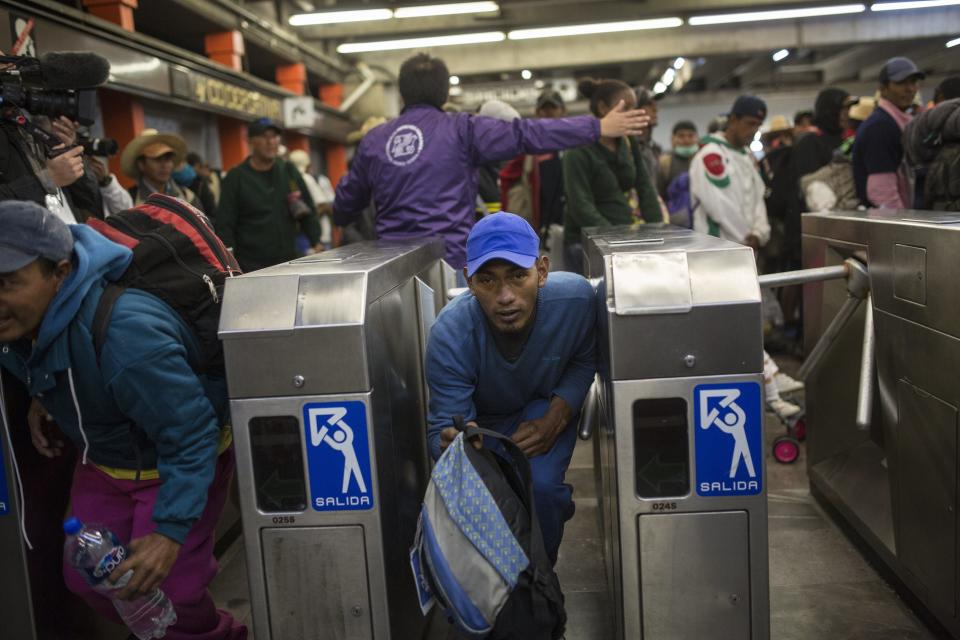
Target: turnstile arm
(819, 274)
(867, 368)
(589, 411)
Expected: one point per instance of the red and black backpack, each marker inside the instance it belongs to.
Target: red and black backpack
(176, 257)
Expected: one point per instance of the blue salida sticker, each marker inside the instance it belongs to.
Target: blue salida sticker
(338, 456)
(729, 440)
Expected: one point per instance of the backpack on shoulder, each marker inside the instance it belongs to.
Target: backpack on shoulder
(479, 551)
(942, 187)
(176, 257)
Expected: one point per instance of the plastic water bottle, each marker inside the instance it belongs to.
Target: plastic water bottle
(96, 552)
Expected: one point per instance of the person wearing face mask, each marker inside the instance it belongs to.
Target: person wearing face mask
(606, 181)
(186, 177)
(150, 159)
(685, 145)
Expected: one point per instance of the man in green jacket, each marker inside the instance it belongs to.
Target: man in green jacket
(264, 203)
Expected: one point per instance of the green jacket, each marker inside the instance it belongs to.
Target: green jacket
(597, 182)
(253, 216)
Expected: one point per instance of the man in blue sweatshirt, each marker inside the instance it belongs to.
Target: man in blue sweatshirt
(156, 464)
(517, 355)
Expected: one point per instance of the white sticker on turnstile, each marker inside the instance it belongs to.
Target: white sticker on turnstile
(729, 440)
(338, 456)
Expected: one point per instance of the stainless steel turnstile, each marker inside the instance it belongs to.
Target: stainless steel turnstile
(883, 400)
(324, 364)
(678, 423)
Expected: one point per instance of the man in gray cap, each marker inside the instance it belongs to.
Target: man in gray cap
(155, 463)
(879, 173)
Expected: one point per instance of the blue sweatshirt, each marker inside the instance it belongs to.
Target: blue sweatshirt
(143, 395)
(469, 377)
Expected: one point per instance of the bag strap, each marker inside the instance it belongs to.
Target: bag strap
(522, 465)
(101, 317)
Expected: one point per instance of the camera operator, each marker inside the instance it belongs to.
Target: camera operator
(41, 101)
(60, 183)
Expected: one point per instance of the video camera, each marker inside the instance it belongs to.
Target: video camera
(55, 84)
(100, 147)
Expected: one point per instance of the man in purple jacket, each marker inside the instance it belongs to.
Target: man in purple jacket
(421, 168)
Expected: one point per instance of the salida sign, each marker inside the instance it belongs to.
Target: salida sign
(338, 456)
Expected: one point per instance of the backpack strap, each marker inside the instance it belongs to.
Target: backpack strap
(101, 317)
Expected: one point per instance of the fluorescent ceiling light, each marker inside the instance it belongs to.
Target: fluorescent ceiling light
(780, 55)
(426, 11)
(779, 14)
(526, 74)
(953, 43)
(589, 29)
(336, 17)
(916, 4)
(417, 43)
(678, 63)
(454, 80)
(659, 88)
(668, 76)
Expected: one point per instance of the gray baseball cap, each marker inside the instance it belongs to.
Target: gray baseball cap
(898, 70)
(31, 232)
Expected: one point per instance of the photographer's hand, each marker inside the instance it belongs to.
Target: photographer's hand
(65, 129)
(66, 168)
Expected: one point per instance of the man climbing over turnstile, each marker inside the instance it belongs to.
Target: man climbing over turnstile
(727, 192)
(516, 355)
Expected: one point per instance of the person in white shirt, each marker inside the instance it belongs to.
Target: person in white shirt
(726, 193)
(321, 191)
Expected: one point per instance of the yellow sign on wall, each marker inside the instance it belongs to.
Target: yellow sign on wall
(228, 96)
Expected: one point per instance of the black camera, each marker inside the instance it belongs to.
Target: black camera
(56, 84)
(101, 147)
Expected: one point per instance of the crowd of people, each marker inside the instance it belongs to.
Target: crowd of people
(141, 438)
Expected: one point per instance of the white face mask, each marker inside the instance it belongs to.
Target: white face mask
(686, 151)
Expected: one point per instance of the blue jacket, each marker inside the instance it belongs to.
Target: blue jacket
(421, 169)
(142, 407)
(468, 377)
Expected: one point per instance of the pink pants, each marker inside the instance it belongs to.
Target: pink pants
(126, 508)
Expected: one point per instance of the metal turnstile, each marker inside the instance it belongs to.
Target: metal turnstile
(678, 416)
(883, 399)
(324, 363)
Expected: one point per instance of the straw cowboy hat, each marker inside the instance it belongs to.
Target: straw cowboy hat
(356, 136)
(151, 144)
(778, 124)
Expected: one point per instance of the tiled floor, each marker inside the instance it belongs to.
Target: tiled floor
(820, 586)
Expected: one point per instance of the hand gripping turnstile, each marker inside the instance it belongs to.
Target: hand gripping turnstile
(324, 365)
(677, 417)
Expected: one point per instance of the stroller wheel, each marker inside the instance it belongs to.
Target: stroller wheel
(786, 449)
(800, 430)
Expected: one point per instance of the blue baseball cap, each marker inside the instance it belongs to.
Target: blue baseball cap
(749, 106)
(502, 235)
(31, 232)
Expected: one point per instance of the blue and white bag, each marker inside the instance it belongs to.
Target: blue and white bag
(479, 551)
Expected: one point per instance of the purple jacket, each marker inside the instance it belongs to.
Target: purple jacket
(421, 169)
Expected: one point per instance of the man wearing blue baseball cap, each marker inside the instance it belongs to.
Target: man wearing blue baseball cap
(155, 466)
(879, 173)
(516, 355)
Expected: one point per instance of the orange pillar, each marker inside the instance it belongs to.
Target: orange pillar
(336, 154)
(226, 48)
(122, 120)
(297, 141)
(116, 11)
(234, 147)
(293, 77)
